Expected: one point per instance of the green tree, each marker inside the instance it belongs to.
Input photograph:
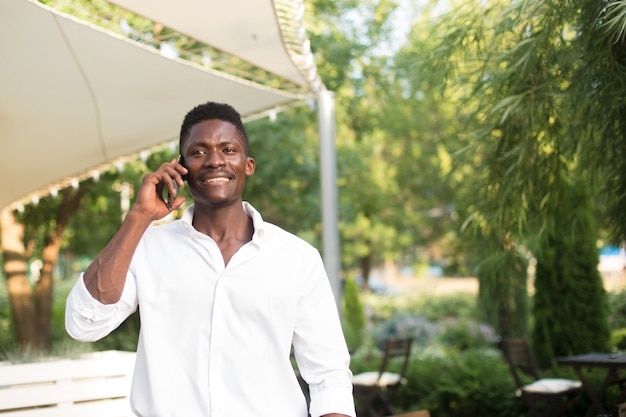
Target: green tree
(570, 306)
(502, 275)
(353, 317)
(351, 42)
(285, 185)
(537, 86)
(38, 232)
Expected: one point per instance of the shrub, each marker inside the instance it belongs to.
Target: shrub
(617, 309)
(467, 334)
(448, 382)
(401, 324)
(353, 317)
(618, 339)
(570, 308)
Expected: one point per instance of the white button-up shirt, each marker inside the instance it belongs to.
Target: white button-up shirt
(215, 340)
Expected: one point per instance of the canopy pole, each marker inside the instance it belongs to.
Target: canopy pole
(328, 181)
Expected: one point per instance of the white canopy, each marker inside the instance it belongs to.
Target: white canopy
(74, 97)
(251, 30)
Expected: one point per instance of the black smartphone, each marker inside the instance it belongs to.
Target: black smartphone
(170, 196)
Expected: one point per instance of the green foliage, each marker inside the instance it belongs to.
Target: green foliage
(454, 368)
(285, 185)
(617, 309)
(7, 331)
(467, 383)
(125, 337)
(540, 85)
(457, 305)
(353, 316)
(449, 382)
(467, 334)
(503, 294)
(460, 333)
(390, 150)
(404, 324)
(570, 306)
(618, 339)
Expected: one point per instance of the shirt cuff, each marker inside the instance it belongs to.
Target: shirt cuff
(336, 400)
(88, 307)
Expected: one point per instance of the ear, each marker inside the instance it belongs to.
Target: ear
(250, 166)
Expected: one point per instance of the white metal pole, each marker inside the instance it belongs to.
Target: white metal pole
(328, 180)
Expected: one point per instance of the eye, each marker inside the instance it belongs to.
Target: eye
(197, 152)
(230, 149)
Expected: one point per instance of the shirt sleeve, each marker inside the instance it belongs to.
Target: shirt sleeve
(88, 320)
(319, 345)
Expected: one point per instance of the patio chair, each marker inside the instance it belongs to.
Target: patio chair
(545, 397)
(374, 391)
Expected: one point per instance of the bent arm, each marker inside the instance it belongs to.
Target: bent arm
(106, 275)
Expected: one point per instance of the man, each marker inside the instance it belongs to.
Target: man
(223, 295)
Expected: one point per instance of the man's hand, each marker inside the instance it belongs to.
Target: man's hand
(106, 275)
(150, 201)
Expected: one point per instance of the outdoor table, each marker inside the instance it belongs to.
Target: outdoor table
(612, 362)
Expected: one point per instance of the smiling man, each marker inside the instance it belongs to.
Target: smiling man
(224, 296)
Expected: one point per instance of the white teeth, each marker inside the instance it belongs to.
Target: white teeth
(221, 179)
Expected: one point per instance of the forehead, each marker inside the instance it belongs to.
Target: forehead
(214, 129)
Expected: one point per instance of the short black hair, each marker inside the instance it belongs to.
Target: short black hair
(208, 111)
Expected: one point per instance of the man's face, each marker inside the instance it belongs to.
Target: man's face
(215, 155)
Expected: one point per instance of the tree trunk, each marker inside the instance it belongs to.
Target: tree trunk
(18, 285)
(366, 267)
(44, 290)
(32, 310)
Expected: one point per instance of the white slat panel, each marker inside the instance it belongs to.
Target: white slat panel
(109, 408)
(105, 364)
(94, 385)
(47, 394)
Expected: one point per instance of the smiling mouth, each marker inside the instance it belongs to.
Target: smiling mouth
(215, 180)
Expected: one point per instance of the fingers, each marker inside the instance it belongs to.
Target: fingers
(158, 195)
(172, 177)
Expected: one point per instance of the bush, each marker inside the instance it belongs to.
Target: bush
(474, 382)
(449, 382)
(618, 339)
(401, 324)
(465, 334)
(617, 309)
(570, 308)
(353, 317)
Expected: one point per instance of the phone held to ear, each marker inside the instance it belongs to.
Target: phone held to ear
(170, 196)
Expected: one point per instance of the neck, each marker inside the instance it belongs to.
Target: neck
(223, 223)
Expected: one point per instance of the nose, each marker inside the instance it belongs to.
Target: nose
(215, 158)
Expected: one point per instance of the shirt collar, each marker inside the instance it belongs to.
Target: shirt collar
(260, 227)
